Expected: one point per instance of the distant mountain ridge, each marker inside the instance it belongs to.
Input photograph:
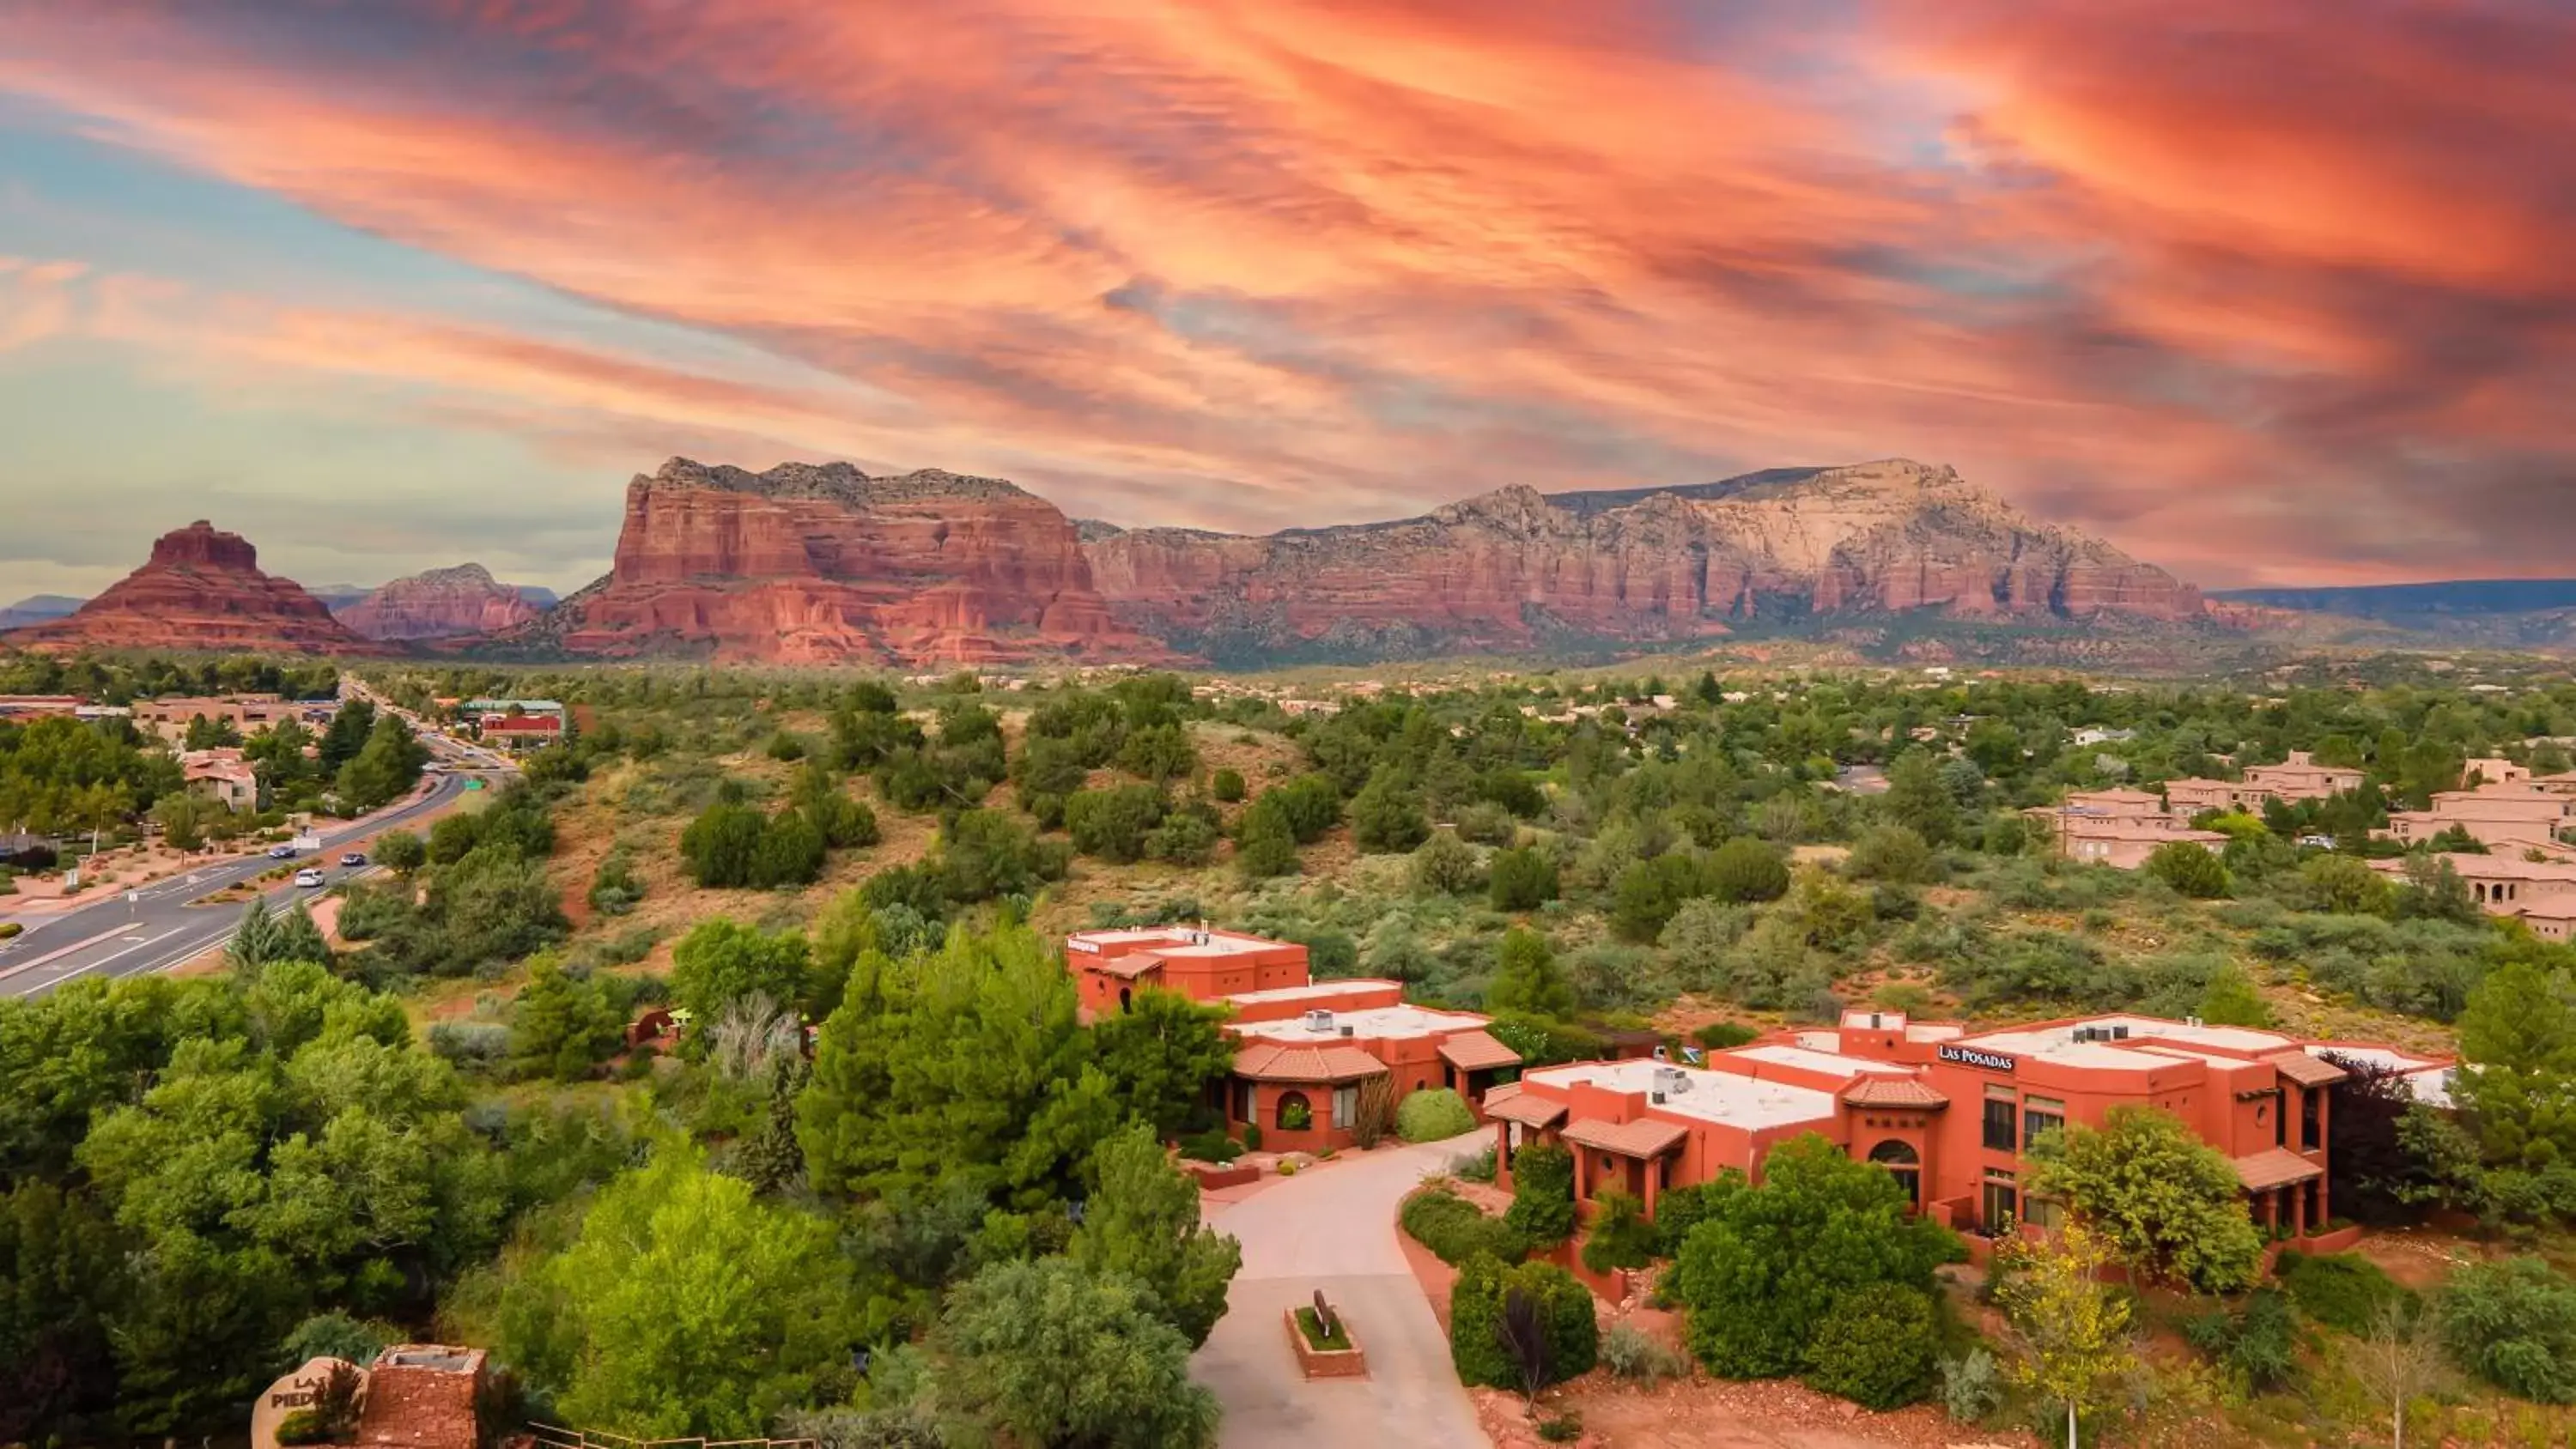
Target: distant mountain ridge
(2490, 613)
(1514, 569)
(38, 609)
(439, 604)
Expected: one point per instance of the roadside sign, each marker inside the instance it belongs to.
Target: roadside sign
(473, 784)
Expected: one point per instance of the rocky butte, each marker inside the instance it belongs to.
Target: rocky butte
(808, 564)
(439, 604)
(1514, 568)
(201, 590)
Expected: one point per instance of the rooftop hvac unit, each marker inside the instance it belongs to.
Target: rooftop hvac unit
(2119, 1033)
(1349, 1030)
(1656, 1097)
(1873, 1021)
(2086, 1033)
(1319, 1020)
(1671, 1079)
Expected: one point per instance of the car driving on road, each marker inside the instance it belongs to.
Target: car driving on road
(281, 852)
(354, 859)
(308, 877)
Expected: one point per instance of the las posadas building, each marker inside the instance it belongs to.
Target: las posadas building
(1952, 1114)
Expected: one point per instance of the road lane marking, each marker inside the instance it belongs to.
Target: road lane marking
(65, 951)
(103, 960)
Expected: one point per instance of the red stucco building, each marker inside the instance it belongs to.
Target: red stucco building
(1308, 1049)
(1950, 1113)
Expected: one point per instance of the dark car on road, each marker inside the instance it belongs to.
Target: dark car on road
(354, 859)
(281, 852)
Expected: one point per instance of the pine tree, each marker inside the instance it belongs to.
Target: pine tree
(297, 938)
(1527, 978)
(254, 942)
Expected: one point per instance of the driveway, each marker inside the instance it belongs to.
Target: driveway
(1334, 1228)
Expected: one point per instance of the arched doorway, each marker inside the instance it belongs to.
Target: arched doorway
(1904, 1164)
(1126, 998)
(1295, 1113)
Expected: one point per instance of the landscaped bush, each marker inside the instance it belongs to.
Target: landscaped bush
(470, 1044)
(1210, 1147)
(1433, 1114)
(2340, 1290)
(1878, 1347)
(1972, 1386)
(1456, 1230)
(2258, 1342)
(2513, 1324)
(9, 929)
(1542, 1194)
(1717, 1036)
(1477, 1166)
(1630, 1352)
(1481, 1320)
(1621, 1237)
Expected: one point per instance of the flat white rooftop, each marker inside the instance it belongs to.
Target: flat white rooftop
(1738, 1101)
(1374, 1022)
(1318, 991)
(2058, 1043)
(1817, 1061)
(1177, 940)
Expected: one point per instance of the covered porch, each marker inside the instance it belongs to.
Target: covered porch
(1631, 1157)
(2285, 1192)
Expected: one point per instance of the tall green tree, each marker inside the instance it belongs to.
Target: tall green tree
(1161, 1055)
(1142, 1219)
(2167, 1204)
(1919, 800)
(721, 962)
(559, 1027)
(2517, 1079)
(968, 1064)
(1052, 1354)
(1527, 979)
(1765, 1265)
(687, 1306)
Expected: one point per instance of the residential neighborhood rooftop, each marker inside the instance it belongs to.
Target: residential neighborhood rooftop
(1372, 1021)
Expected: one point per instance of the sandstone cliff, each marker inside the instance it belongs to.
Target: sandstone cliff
(824, 564)
(201, 590)
(1513, 568)
(439, 604)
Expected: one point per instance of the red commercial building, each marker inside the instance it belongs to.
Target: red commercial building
(1949, 1113)
(1307, 1049)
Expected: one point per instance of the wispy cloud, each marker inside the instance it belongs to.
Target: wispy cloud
(2266, 292)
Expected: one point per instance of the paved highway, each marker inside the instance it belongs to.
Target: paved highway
(158, 929)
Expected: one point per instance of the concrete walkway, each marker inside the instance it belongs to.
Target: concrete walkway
(1334, 1228)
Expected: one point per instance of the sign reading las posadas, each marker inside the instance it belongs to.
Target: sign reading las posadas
(1968, 1056)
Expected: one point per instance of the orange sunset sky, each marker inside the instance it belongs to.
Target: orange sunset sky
(2274, 292)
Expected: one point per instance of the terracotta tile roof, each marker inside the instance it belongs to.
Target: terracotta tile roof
(2308, 1071)
(1878, 1090)
(1644, 1137)
(1525, 1109)
(1502, 1092)
(421, 1396)
(1269, 1063)
(2274, 1167)
(1474, 1051)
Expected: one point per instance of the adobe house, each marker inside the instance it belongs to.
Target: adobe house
(2507, 885)
(2122, 841)
(1950, 1114)
(1308, 1048)
(1109, 967)
(2302, 778)
(2515, 816)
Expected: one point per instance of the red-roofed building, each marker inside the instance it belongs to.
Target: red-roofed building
(1952, 1114)
(1307, 1049)
(521, 731)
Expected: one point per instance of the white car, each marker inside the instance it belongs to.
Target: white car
(308, 877)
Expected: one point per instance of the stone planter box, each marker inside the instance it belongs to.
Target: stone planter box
(1316, 1363)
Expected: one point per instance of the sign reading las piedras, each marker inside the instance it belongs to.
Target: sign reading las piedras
(298, 1390)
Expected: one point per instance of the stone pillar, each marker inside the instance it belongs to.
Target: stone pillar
(1653, 1171)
